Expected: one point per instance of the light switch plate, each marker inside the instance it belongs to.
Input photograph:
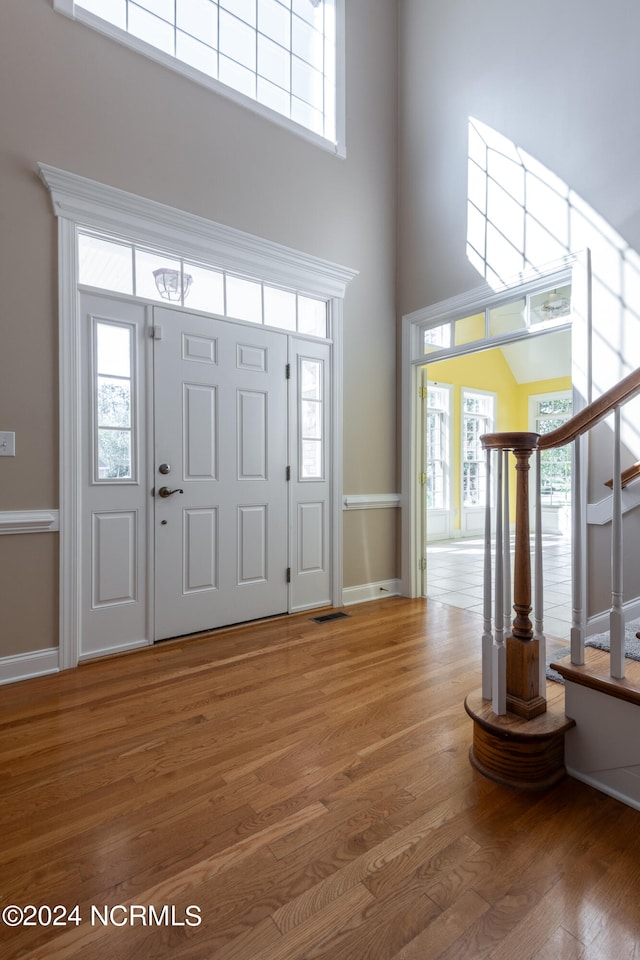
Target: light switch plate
(7, 443)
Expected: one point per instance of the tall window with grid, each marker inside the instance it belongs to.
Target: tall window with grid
(478, 414)
(437, 447)
(281, 54)
(552, 411)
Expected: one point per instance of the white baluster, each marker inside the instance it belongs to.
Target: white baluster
(538, 629)
(506, 550)
(499, 685)
(616, 617)
(487, 636)
(577, 506)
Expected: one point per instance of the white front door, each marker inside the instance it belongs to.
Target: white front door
(220, 402)
(206, 487)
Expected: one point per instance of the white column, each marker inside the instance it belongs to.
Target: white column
(616, 617)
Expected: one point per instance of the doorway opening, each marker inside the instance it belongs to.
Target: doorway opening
(507, 328)
(515, 387)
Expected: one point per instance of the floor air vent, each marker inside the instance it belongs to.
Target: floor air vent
(328, 617)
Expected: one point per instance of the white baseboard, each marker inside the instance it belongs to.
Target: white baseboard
(371, 591)
(600, 622)
(597, 784)
(24, 666)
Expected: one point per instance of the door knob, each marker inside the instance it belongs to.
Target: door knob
(164, 492)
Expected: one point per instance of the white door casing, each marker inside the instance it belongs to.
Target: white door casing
(79, 202)
(221, 431)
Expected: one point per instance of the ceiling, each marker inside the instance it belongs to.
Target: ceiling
(540, 358)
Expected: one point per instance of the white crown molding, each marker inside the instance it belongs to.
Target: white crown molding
(29, 521)
(370, 501)
(98, 206)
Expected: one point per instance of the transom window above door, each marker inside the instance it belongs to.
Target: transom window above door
(282, 55)
(112, 264)
(538, 306)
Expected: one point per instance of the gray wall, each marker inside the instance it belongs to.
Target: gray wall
(561, 82)
(79, 101)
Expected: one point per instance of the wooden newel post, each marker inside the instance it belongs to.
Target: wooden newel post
(523, 650)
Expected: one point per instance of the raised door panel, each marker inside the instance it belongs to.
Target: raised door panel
(252, 434)
(200, 550)
(200, 431)
(113, 557)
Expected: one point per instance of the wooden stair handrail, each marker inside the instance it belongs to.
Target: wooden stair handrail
(627, 476)
(596, 411)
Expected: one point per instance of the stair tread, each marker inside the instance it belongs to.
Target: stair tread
(595, 673)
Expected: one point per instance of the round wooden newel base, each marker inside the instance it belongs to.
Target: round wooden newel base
(525, 754)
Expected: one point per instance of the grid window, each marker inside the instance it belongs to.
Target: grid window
(113, 402)
(310, 414)
(552, 412)
(437, 447)
(477, 419)
(279, 53)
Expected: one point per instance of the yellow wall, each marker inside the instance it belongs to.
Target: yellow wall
(469, 329)
(489, 371)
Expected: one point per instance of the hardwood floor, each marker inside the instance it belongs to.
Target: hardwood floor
(307, 787)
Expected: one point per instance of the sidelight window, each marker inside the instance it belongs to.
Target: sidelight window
(113, 402)
(310, 418)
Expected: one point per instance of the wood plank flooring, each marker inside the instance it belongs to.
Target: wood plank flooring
(307, 788)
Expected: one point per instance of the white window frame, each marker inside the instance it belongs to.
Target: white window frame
(534, 416)
(96, 427)
(259, 317)
(338, 147)
(444, 416)
(436, 521)
(469, 510)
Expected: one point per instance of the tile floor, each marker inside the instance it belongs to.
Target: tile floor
(455, 577)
